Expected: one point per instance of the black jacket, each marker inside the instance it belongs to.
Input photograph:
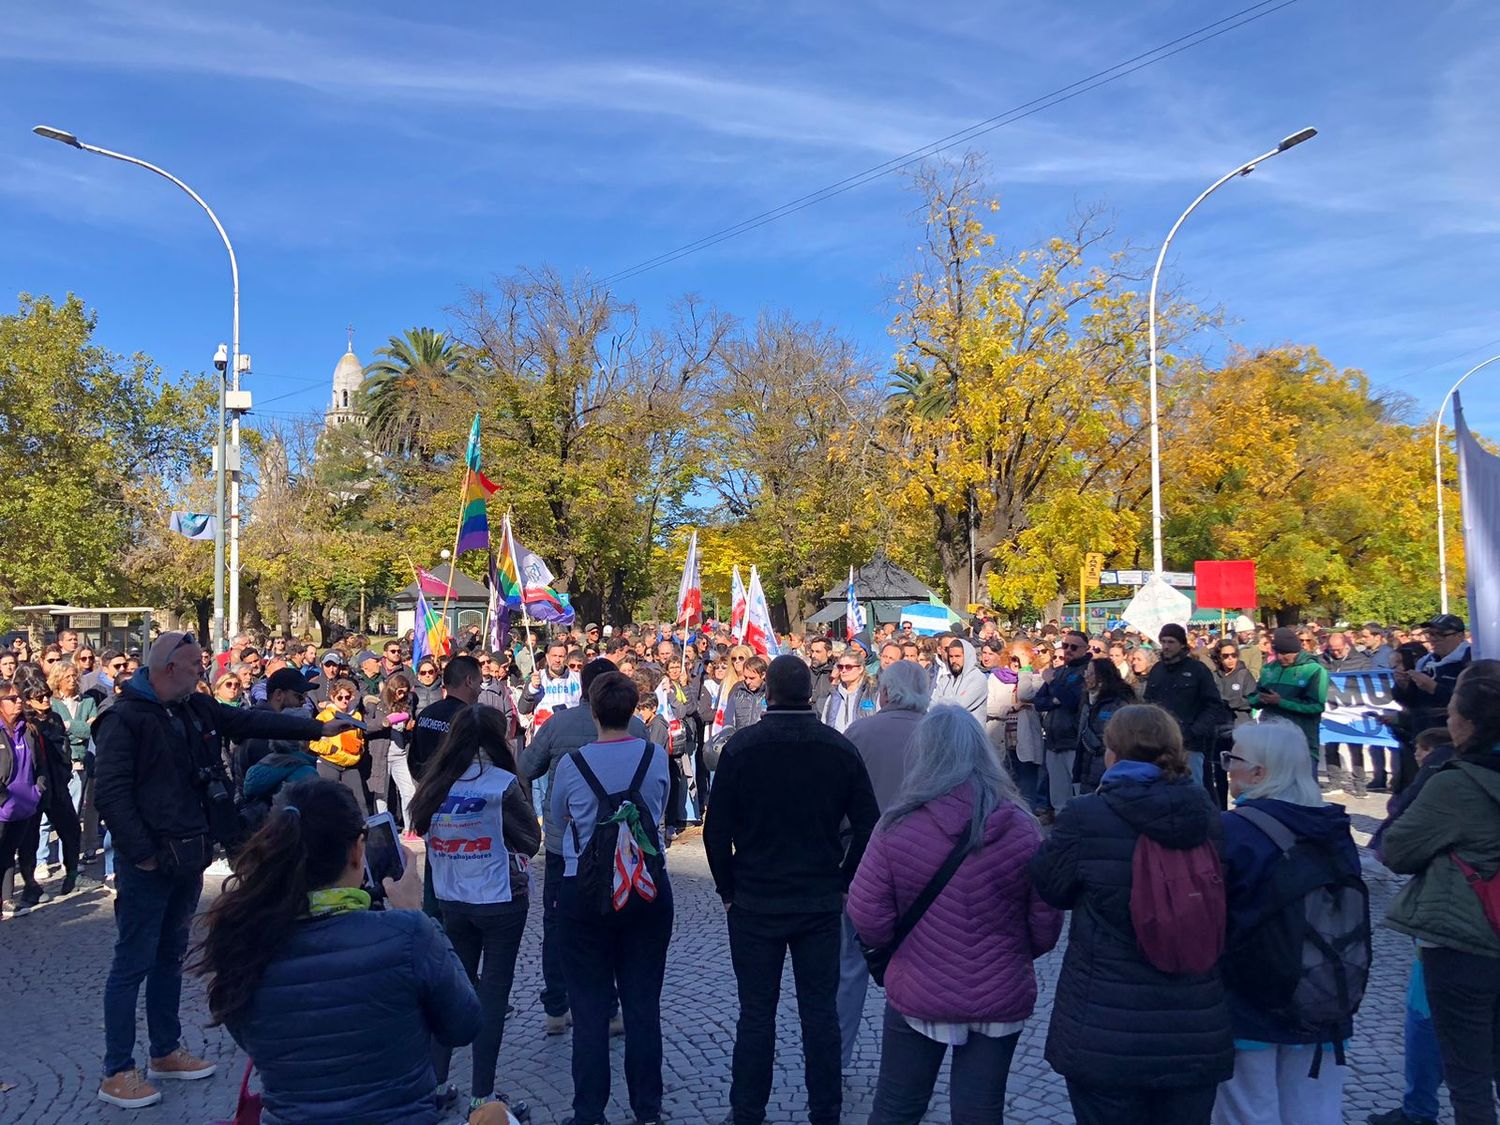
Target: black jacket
(1118, 1021)
(1424, 709)
(1060, 701)
(774, 833)
(148, 756)
(1187, 689)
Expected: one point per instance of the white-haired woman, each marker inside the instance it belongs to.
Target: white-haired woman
(1281, 839)
(963, 976)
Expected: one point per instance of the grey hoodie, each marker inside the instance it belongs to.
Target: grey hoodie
(969, 689)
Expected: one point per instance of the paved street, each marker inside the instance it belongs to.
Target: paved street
(56, 959)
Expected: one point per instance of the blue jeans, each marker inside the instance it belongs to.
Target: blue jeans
(1195, 765)
(1424, 1061)
(44, 847)
(153, 911)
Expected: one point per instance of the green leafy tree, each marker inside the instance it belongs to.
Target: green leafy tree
(94, 444)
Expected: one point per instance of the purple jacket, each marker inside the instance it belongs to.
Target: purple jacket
(20, 798)
(969, 958)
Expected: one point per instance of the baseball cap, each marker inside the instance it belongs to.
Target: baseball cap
(362, 655)
(1446, 623)
(287, 679)
(331, 657)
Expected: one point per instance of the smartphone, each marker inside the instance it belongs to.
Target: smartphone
(385, 858)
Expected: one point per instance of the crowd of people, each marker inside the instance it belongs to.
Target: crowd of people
(926, 811)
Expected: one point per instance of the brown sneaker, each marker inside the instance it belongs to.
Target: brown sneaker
(128, 1090)
(181, 1066)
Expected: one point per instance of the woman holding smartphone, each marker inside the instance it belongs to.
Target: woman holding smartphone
(339, 1005)
(481, 833)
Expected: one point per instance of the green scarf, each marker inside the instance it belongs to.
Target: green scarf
(336, 900)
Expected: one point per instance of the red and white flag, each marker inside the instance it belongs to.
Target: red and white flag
(690, 589)
(739, 608)
(759, 634)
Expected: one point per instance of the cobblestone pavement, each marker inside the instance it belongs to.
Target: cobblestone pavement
(55, 961)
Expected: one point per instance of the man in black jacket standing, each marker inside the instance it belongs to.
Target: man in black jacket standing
(161, 789)
(1186, 688)
(782, 866)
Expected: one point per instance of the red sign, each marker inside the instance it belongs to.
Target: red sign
(1226, 584)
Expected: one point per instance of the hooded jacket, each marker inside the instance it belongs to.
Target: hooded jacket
(1118, 1021)
(343, 1022)
(969, 689)
(969, 958)
(1458, 810)
(1186, 688)
(1250, 860)
(1303, 688)
(1060, 700)
(148, 754)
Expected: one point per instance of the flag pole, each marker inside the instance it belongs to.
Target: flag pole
(453, 559)
(521, 582)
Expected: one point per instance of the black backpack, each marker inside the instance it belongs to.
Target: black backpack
(1305, 960)
(618, 812)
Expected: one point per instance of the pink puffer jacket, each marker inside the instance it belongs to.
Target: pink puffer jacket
(969, 958)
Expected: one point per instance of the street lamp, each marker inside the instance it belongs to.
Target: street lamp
(1243, 170)
(221, 639)
(1437, 471)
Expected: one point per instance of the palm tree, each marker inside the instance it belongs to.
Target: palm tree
(923, 392)
(412, 377)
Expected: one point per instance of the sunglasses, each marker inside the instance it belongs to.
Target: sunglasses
(51, 660)
(574, 665)
(117, 665)
(427, 671)
(187, 639)
(1069, 646)
(849, 667)
(10, 699)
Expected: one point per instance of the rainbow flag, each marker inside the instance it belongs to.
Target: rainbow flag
(507, 573)
(429, 632)
(474, 522)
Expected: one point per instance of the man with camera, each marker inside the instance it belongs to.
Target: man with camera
(162, 790)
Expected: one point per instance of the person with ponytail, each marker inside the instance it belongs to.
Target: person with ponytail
(1135, 1043)
(481, 833)
(339, 1005)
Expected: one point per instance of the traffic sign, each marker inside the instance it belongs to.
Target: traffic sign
(1141, 577)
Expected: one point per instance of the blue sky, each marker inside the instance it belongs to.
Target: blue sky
(370, 163)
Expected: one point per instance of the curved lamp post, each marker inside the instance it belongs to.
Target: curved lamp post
(1437, 476)
(1243, 170)
(221, 639)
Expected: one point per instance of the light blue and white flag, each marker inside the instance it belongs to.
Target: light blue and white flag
(1479, 488)
(194, 525)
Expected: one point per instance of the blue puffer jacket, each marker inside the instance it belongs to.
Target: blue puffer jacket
(342, 1026)
(1250, 858)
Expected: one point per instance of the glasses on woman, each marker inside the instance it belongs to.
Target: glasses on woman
(51, 659)
(427, 671)
(848, 667)
(1227, 758)
(576, 665)
(736, 660)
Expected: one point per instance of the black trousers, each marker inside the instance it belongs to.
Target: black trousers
(758, 945)
(1126, 1105)
(624, 953)
(486, 939)
(349, 777)
(909, 1067)
(1463, 990)
(18, 841)
(554, 980)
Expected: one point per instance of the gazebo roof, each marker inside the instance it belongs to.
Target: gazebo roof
(465, 589)
(882, 580)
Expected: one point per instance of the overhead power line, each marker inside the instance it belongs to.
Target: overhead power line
(1016, 113)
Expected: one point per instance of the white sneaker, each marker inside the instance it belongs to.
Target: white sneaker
(128, 1090)
(42, 873)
